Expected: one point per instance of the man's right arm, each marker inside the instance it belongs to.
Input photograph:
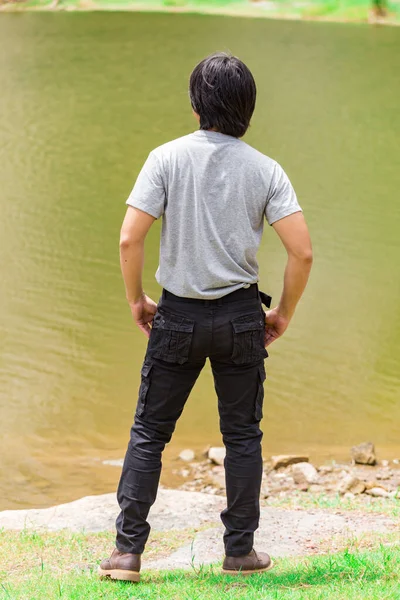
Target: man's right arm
(294, 235)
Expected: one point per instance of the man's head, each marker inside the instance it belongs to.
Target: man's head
(223, 94)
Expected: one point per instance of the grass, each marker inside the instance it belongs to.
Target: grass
(22, 552)
(384, 506)
(49, 566)
(336, 10)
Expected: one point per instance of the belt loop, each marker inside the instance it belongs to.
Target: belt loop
(164, 294)
(219, 302)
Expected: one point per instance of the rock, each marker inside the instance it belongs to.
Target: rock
(325, 469)
(217, 477)
(349, 496)
(396, 461)
(364, 454)
(384, 463)
(344, 468)
(316, 488)
(265, 491)
(358, 487)
(173, 509)
(279, 476)
(345, 483)
(378, 492)
(384, 475)
(285, 460)
(187, 455)
(284, 532)
(373, 484)
(304, 473)
(285, 487)
(351, 484)
(114, 463)
(217, 455)
(343, 473)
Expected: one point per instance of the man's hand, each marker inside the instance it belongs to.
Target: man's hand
(143, 312)
(275, 326)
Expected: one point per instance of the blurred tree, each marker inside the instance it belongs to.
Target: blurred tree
(379, 8)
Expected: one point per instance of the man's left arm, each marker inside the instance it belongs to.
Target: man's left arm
(146, 204)
(133, 233)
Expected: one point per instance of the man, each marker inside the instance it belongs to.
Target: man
(213, 192)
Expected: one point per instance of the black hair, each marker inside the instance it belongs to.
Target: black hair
(222, 92)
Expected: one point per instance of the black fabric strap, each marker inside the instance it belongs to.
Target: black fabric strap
(265, 299)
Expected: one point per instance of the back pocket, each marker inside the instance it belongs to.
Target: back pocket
(171, 337)
(248, 338)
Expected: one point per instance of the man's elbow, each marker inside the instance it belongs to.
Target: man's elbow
(303, 255)
(125, 241)
(128, 239)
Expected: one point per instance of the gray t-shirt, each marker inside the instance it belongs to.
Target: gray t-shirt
(213, 191)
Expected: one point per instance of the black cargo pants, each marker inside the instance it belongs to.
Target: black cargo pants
(230, 332)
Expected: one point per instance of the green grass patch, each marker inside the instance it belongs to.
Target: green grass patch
(384, 506)
(25, 554)
(37, 566)
(332, 10)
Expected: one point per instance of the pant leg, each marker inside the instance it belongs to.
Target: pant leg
(164, 390)
(240, 395)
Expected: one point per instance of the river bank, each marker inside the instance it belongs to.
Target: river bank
(316, 538)
(288, 477)
(190, 525)
(307, 10)
(55, 551)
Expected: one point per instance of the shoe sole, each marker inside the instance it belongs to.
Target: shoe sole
(250, 572)
(120, 574)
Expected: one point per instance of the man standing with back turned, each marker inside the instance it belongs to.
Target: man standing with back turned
(213, 192)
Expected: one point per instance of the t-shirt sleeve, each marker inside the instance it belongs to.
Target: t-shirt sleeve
(148, 193)
(282, 199)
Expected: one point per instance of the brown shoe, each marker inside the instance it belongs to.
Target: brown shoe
(247, 565)
(122, 566)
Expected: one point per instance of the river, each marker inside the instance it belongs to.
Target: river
(84, 98)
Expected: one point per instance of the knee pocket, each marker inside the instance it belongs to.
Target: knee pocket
(258, 411)
(144, 387)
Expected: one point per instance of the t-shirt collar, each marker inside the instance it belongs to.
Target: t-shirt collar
(214, 136)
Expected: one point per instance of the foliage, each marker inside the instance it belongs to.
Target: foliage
(63, 565)
(387, 11)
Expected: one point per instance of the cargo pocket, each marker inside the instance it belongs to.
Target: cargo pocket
(171, 337)
(144, 387)
(258, 413)
(248, 338)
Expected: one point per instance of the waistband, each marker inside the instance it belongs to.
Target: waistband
(241, 294)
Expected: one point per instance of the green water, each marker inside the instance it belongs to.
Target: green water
(84, 98)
